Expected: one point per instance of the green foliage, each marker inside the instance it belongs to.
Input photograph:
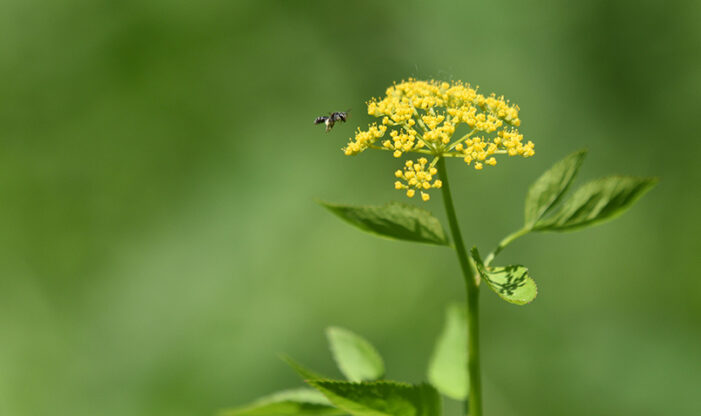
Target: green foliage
(381, 398)
(357, 359)
(299, 402)
(597, 201)
(547, 190)
(447, 369)
(594, 202)
(511, 283)
(362, 365)
(393, 220)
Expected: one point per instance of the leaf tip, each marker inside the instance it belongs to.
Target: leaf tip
(653, 180)
(321, 202)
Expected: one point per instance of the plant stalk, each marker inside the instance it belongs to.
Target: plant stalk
(473, 355)
(505, 242)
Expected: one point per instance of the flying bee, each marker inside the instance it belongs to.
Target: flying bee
(332, 118)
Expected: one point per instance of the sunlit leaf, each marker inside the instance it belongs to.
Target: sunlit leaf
(547, 190)
(394, 220)
(597, 201)
(357, 359)
(298, 402)
(511, 283)
(447, 370)
(381, 398)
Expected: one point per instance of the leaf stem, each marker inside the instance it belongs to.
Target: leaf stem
(473, 358)
(505, 242)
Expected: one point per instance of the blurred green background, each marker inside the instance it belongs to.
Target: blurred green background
(159, 243)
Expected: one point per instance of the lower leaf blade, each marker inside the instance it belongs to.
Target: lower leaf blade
(381, 398)
(295, 402)
(394, 220)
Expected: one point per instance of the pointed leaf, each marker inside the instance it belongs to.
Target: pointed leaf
(597, 201)
(303, 372)
(394, 220)
(511, 283)
(447, 370)
(381, 398)
(547, 190)
(297, 402)
(357, 359)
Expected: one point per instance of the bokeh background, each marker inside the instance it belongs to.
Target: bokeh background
(159, 243)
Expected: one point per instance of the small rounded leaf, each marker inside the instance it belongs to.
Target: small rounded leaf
(511, 283)
(357, 359)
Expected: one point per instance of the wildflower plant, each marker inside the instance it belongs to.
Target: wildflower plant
(418, 122)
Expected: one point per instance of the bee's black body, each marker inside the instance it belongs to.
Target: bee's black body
(331, 119)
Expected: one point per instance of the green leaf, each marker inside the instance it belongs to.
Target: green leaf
(511, 283)
(298, 402)
(381, 398)
(394, 220)
(597, 201)
(357, 359)
(547, 190)
(447, 370)
(302, 371)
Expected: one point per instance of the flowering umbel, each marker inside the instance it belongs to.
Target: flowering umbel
(422, 117)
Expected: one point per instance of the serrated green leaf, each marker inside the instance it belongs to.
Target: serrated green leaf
(394, 220)
(447, 370)
(302, 371)
(511, 283)
(381, 398)
(547, 190)
(597, 201)
(297, 402)
(357, 359)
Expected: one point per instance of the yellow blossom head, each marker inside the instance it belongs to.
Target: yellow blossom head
(423, 116)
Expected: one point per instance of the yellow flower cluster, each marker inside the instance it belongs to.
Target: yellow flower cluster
(363, 139)
(423, 116)
(417, 178)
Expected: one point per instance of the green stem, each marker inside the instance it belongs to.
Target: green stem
(473, 357)
(505, 242)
